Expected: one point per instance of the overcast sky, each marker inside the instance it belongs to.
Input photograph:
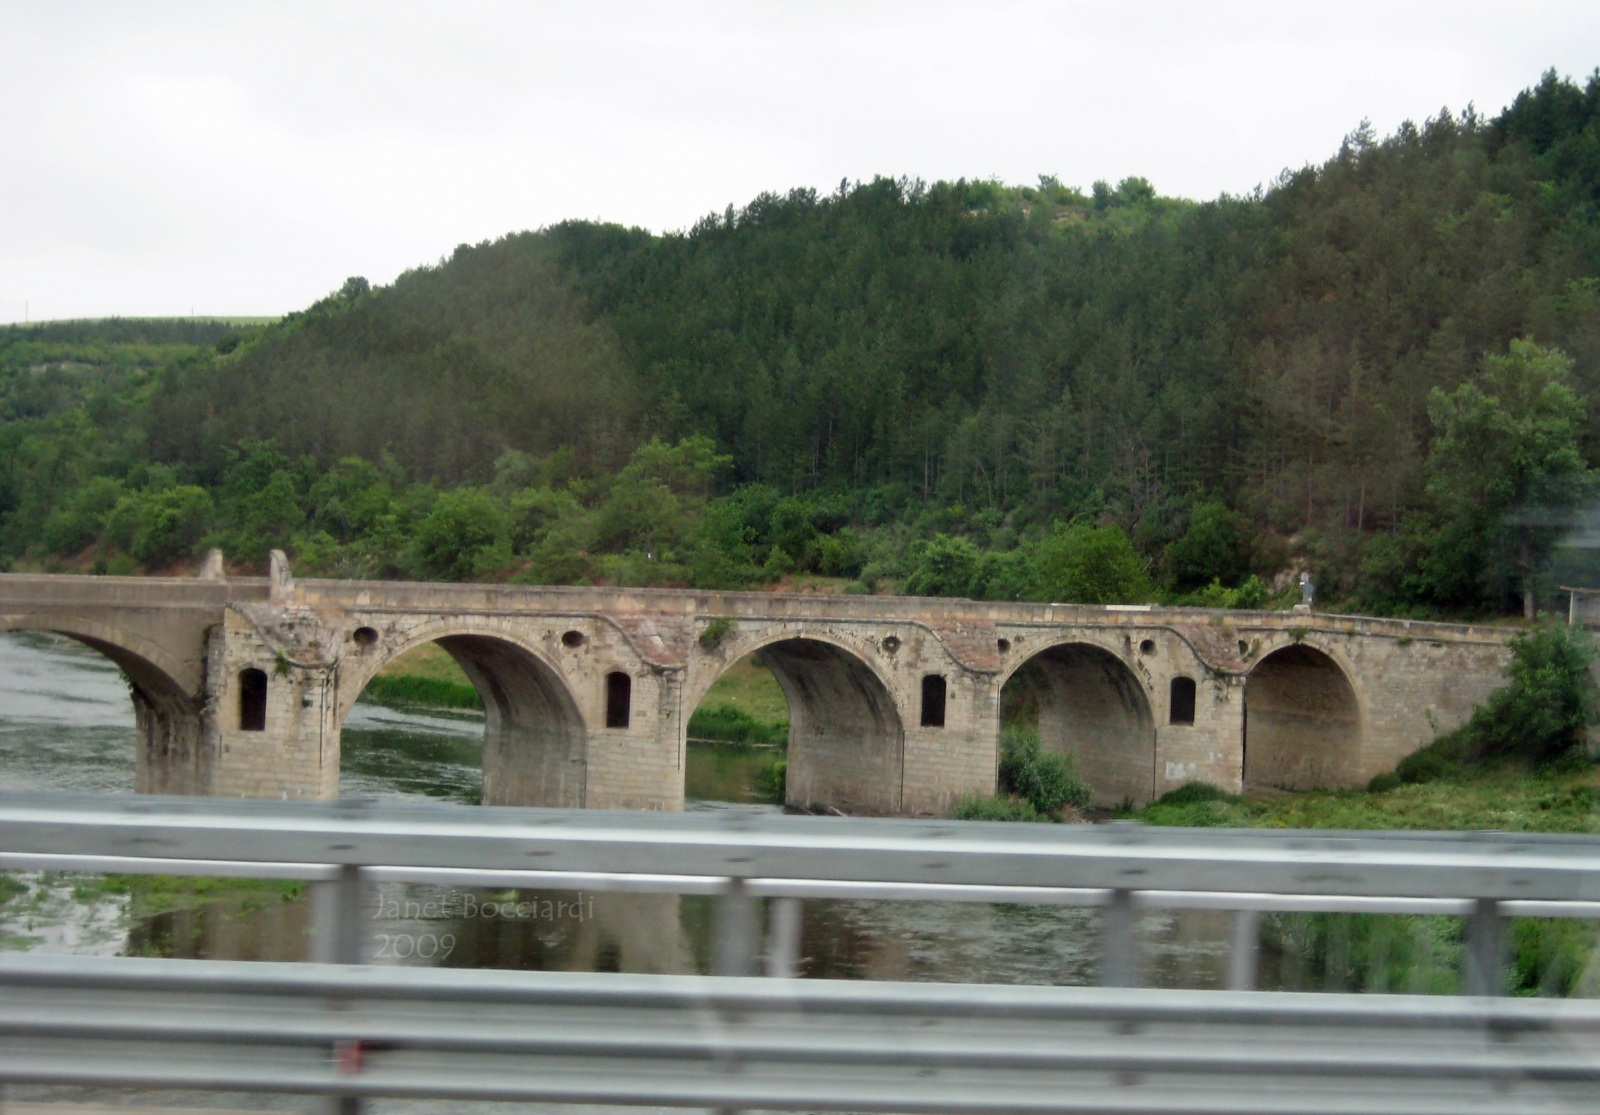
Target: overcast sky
(245, 158)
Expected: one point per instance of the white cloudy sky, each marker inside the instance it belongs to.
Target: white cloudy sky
(244, 158)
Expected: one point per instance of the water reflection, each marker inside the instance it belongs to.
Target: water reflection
(411, 753)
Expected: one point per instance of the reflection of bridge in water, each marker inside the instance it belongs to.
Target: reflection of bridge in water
(241, 686)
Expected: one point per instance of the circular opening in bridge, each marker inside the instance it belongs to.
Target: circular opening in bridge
(365, 637)
(572, 640)
(891, 643)
(1003, 645)
(803, 723)
(468, 718)
(1302, 722)
(1147, 646)
(1085, 702)
(69, 693)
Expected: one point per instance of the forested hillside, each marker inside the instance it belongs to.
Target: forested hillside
(1382, 368)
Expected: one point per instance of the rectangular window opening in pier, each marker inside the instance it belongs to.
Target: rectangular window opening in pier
(933, 692)
(619, 699)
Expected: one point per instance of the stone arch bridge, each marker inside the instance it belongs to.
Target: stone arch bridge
(240, 685)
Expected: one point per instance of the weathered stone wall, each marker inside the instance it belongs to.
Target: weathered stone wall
(295, 755)
(1280, 699)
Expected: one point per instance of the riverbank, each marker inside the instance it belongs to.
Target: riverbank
(1406, 953)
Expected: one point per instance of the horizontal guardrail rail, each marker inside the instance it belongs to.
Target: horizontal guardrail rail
(823, 1045)
(745, 857)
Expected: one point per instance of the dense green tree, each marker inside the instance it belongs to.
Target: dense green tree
(1505, 471)
(1211, 549)
(466, 535)
(908, 383)
(1083, 564)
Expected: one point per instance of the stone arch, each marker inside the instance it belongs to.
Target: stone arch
(170, 758)
(1302, 720)
(1092, 702)
(534, 738)
(846, 735)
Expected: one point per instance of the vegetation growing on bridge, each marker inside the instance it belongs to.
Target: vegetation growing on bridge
(1380, 368)
(1034, 785)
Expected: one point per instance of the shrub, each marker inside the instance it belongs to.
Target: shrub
(772, 782)
(160, 527)
(1383, 783)
(1192, 793)
(465, 534)
(408, 689)
(1541, 715)
(1046, 782)
(1082, 564)
(726, 724)
(716, 631)
(997, 809)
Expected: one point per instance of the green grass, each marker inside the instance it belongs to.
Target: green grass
(726, 724)
(406, 689)
(1508, 799)
(749, 686)
(1361, 952)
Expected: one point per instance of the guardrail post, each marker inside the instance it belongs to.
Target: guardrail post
(783, 939)
(1119, 954)
(336, 930)
(337, 937)
(735, 938)
(1483, 969)
(1243, 950)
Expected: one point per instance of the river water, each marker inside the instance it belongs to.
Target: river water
(66, 724)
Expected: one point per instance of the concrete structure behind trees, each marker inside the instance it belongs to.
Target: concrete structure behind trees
(241, 685)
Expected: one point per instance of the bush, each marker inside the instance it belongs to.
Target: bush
(1192, 793)
(1446, 756)
(160, 527)
(1383, 783)
(408, 689)
(726, 724)
(1541, 715)
(1211, 550)
(997, 809)
(772, 783)
(466, 534)
(1082, 564)
(716, 631)
(1046, 782)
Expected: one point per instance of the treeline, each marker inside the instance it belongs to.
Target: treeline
(1380, 369)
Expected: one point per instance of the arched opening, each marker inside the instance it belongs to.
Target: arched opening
(738, 739)
(1302, 722)
(416, 726)
(1085, 701)
(844, 743)
(65, 721)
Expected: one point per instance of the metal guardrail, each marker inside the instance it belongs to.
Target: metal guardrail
(803, 1045)
(745, 857)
